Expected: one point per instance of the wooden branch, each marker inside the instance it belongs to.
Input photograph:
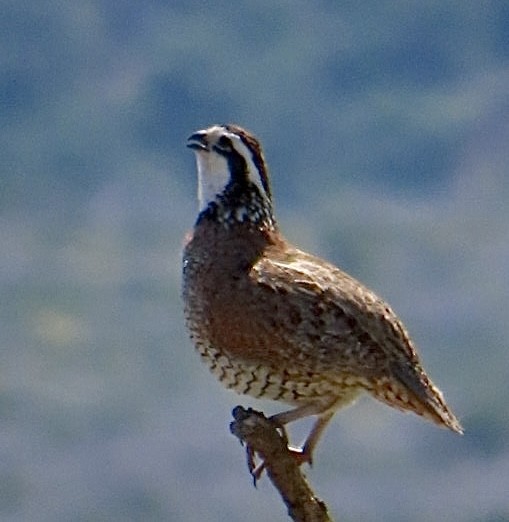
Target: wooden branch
(262, 437)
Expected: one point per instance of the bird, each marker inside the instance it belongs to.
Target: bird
(275, 322)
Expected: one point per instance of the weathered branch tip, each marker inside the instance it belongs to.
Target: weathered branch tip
(263, 438)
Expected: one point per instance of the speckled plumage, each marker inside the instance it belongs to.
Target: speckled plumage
(275, 322)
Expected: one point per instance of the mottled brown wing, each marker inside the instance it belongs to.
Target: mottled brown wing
(336, 321)
(343, 327)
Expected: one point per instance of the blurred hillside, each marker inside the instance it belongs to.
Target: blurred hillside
(385, 125)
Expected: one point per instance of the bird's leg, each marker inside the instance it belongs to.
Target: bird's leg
(280, 420)
(324, 413)
(306, 451)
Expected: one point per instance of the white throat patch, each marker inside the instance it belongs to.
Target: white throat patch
(213, 176)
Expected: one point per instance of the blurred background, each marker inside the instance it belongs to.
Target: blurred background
(385, 125)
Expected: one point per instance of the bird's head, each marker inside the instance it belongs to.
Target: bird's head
(229, 160)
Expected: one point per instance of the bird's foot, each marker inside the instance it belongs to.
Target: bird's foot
(301, 455)
(242, 427)
(256, 470)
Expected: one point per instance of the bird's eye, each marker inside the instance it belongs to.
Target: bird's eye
(224, 144)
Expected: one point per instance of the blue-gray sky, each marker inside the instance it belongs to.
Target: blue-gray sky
(385, 125)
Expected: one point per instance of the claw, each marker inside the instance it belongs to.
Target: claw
(301, 455)
(254, 470)
(257, 473)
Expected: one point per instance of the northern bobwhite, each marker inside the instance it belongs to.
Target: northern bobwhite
(275, 322)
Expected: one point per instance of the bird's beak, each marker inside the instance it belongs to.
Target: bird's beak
(198, 141)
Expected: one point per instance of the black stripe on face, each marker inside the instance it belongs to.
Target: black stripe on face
(236, 163)
(254, 147)
(238, 168)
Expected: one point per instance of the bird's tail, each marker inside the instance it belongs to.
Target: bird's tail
(410, 389)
